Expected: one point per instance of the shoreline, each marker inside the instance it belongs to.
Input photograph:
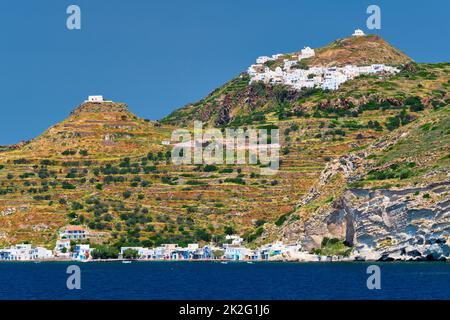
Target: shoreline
(222, 261)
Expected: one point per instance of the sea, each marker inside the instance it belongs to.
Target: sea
(223, 281)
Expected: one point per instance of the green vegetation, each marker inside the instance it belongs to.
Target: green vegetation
(105, 252)
(394, 171)
(333, 247)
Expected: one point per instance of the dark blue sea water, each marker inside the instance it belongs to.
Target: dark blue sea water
(210, 280)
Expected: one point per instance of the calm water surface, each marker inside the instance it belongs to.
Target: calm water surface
(211, 280)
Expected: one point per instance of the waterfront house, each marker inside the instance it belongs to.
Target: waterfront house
(40, 253)
(237, 253)
(82, 252)
(179, 254)
(164, 251)
(19, 252)
(5, 254)
(147, 254)
(233, 253)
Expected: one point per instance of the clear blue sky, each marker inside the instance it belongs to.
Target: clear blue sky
(160, 55)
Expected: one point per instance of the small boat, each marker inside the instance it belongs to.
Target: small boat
(126, 261)
(224, 262)
(249, 262)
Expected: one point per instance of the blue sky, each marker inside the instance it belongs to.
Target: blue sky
(160, 55)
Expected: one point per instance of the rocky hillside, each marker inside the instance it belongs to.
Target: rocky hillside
(93, 131)
(365, 50)
(392, 198)
(238, 103)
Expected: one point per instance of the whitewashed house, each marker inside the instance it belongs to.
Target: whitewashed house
(19, 252)
(237, 253)
(41, 253)
(62, 248)
(192, 246)
(235, 239)
(289, 64)
(306, 52)
(82, 252)
(263, 59)
(73, 233)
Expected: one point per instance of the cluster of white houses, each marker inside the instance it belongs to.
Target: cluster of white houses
(327, 78)
(25, 252)
(232, 250)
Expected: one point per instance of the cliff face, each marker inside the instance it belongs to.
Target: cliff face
(388, 224)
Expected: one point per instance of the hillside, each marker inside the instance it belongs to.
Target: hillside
(380, 139)
(365, 50)
(95, 131)
(237, 102)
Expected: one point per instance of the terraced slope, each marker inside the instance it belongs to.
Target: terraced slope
(364, 50)
(106, 169)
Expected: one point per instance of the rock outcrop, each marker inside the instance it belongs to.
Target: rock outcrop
(388, 224)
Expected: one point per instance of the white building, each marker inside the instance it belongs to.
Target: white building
(237, 253)
(235, 239)
(62, 247)
(24, 252)
(263, 59)
(306, 52)
(41, 253)
(95, 99)
(82, 252)
(193, 246)
(17, 253)
(358, 33)
(288, 64)
(73, 233)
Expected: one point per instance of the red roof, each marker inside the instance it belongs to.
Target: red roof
(74, 228)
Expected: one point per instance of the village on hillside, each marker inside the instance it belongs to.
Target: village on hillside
(73, 245)
(298, 76)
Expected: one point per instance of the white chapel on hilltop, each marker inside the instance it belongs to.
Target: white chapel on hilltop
(95, 99)
(306, 52)
(358, 33)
